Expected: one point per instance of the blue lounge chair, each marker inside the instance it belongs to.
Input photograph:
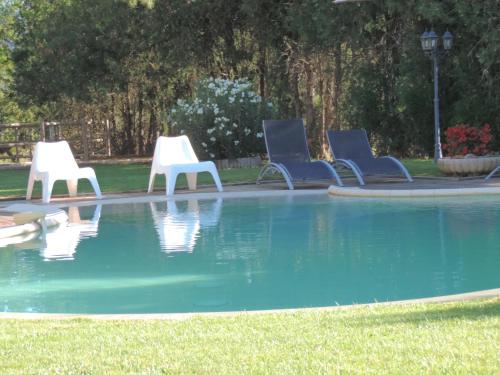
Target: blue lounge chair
(288, 153)
(351, 149)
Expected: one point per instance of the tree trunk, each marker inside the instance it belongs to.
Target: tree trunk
(152, 131)
(139, 149)
(113, 123)
(262, 71)
(326, 105)
(129, 123)
(309, 106)
(293, 80)
(337, 86)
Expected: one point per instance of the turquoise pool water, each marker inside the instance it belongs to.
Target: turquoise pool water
(249, 253)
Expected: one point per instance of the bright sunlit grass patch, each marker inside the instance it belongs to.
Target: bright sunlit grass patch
(461, 338)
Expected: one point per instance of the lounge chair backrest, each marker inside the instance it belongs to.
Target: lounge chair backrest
(53, 156)
(174, 150)
(350, 144)
(286, 141)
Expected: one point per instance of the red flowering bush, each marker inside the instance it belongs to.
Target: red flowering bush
(464, 139)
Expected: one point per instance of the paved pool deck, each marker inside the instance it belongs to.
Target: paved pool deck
(421, 186)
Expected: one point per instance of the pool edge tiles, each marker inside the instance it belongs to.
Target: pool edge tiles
(410, 193)
(462, 297)
(126, 198)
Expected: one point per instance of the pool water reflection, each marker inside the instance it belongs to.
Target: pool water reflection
(253, 253)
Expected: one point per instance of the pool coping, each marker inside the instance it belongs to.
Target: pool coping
(462, 297)
(126, 198)
(156, 197)
(410, 193)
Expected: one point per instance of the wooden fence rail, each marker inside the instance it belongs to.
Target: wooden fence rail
(87, 140)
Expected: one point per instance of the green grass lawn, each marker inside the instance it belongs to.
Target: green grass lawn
(422, 167)
(453, 338)
(117, 178)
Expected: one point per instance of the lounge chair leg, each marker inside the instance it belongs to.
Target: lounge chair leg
(262, 173)
(354, 169)
(333, 172)
(275, 168)
(401, 167)
(492, 173)
(337, 177)
(285, 174)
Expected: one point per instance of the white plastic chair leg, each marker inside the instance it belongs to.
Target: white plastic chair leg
(95, 186)
(191, 180)
(47, 185)
(215, 176)
(31, 182)
(151, 182)
(170, 180)
(72, 187)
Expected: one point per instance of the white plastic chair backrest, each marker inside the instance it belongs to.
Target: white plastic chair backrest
(174, 150)
(53, 156)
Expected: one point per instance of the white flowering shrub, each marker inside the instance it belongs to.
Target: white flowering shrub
(224, 120)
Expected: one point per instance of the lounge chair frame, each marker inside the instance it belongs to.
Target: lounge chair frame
(279, 168)
(492, 173)
(356, 170)
(274, 168)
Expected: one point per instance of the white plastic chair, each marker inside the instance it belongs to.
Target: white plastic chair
(54, 161)
(174, 155)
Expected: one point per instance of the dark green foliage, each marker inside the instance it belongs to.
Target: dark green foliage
(337, 66)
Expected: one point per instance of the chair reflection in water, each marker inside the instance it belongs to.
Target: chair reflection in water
(60, 243)
(178, 227)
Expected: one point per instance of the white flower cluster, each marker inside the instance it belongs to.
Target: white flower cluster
(225, 117)
(235, 91)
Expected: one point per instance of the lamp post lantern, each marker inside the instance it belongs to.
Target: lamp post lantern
(430, 45)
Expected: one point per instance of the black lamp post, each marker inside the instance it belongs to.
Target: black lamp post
(430, 42)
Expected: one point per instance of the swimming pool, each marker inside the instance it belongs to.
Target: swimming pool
(253, 253)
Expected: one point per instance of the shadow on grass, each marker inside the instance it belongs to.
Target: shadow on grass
(438, 313)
